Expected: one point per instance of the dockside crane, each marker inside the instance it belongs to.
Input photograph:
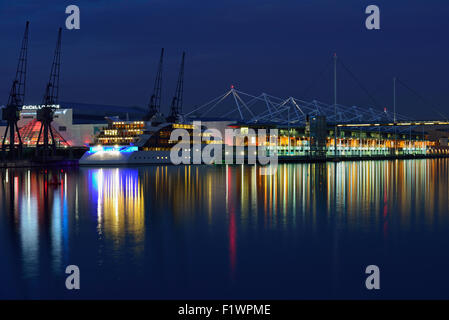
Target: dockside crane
(155, 100)
(16, 99)
(46, 113)
(176, 105)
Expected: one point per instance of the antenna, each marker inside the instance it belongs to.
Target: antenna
(176, 105)
(46, 113)
(155, 100)
(16, 100)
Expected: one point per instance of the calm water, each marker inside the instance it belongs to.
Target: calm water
(227, 231)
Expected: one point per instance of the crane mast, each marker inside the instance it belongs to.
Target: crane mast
(46, 112)
(15, 102)
(176, 105)
(155, 100)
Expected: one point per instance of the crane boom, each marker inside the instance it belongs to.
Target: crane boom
(16, 100)
(176, 105)
(155, 100)
(46, 113)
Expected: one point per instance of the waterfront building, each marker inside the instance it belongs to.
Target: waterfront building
(81, 125)
(74, 124)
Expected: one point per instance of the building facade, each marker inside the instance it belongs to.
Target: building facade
(74, 124)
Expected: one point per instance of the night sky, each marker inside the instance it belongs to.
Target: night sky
(279, 47)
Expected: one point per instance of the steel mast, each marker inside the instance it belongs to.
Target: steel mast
(155, 100)
(394, 114)
(176, 105)
(46, 112)
(16, 100)
(335, 104)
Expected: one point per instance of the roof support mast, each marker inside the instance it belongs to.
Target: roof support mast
(15, 102)
(335, 105)
(394, 113)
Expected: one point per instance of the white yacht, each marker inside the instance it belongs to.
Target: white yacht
(137, 142)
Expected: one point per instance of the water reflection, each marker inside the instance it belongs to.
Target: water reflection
(119, 203)
(161, 218)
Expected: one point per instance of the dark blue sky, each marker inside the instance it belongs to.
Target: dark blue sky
(278, 47)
